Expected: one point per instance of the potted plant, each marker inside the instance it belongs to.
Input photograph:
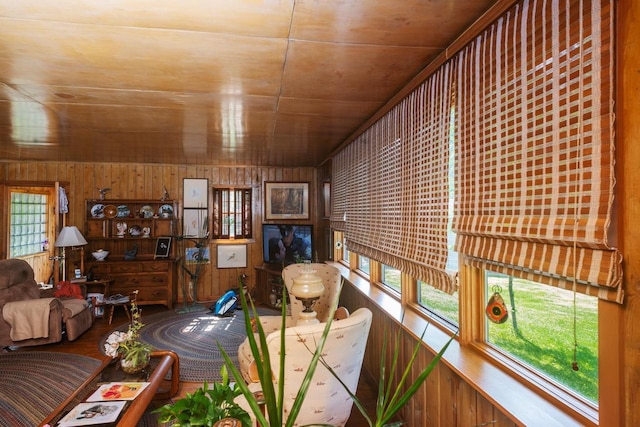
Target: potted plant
(206, 406)
(272, 415)
(391, 399)
(134, 354)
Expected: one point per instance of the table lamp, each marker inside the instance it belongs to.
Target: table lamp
(307, 288)
(69, 236)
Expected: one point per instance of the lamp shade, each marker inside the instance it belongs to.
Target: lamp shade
(307, 285)
(70, 236)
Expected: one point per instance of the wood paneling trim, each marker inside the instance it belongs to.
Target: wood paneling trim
(464, 377)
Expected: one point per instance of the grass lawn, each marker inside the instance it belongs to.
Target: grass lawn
(540, 332)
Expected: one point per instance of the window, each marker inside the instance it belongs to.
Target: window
(232, 213)
(345, 252)
(539, 331)
(341, 253)
(28, 223)
(443, 304)
(364, 265)
(391, 278)
(440, 303)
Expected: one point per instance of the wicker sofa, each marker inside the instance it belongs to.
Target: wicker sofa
(29, 318)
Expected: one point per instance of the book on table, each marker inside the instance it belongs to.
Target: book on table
(104, 405)
(118, 391)
(93, 413)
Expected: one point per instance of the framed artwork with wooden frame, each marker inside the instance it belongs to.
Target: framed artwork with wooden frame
(195, 193)
(286, 200)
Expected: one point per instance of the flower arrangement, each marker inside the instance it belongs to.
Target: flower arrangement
(127, 345)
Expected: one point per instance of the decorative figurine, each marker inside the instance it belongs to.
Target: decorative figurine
(130, 254)
(103, 192)
(122, 229)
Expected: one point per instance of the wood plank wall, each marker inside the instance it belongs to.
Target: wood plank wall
(146, 181)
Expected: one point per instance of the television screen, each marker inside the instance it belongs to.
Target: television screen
(286, 243)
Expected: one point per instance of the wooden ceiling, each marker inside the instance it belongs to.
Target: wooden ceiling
(218, 82)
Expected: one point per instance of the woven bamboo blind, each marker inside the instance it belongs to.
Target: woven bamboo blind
(391, 185)
(535, 163)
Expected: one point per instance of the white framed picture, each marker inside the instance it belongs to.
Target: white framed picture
(196, 193)
(232, 256)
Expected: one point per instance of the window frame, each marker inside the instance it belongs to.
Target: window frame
(221, 207)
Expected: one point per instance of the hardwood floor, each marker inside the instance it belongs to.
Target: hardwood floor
(87, 345)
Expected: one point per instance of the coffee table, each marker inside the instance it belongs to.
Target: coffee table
(162, 361)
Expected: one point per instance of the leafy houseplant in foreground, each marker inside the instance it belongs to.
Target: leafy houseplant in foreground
(206, 405)
(273, 399)
(390, 400)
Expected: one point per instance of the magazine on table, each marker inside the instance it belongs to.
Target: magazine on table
(92, 413)
(117, 391)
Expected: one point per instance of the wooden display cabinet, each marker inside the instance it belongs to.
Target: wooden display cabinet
(269, 281)
(118, 226)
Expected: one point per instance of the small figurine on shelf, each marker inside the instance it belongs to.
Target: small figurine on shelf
(130, 254)
(165, 194)
(146, 232)
(103, 192)
(122, 229)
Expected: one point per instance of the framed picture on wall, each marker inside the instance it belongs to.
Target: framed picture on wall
(286, 200)
(196, 193)
(195, 222)
(232, 256)
(163, 246)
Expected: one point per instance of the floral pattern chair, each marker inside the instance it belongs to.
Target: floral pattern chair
(327, 402)
(332, 281)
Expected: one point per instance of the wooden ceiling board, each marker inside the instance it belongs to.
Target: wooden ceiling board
(160, 99)
(335, 71)
(134, 59)
(243, 17)
(327, 107)
(417, 23)
(210, 82)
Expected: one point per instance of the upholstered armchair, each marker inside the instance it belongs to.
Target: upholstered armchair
(332, 281)
(327, 402)
(26, 319)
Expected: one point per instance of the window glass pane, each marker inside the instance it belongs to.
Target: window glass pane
(440, 303)
(391, 278)
(539, 331)
(363, 264)
(345, 251)
(28, 223)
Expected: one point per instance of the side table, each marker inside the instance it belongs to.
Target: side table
(109, 371)
(103, 287)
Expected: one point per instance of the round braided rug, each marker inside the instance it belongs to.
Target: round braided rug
(34, 383)
(194, 336)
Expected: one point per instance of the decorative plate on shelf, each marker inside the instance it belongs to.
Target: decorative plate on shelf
(97, 211)
(110, 211)
(147, 211)
(135, 230)
(166, 211)
(123, 211)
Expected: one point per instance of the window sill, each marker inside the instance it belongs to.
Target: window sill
(230, 241)
(518, 402)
